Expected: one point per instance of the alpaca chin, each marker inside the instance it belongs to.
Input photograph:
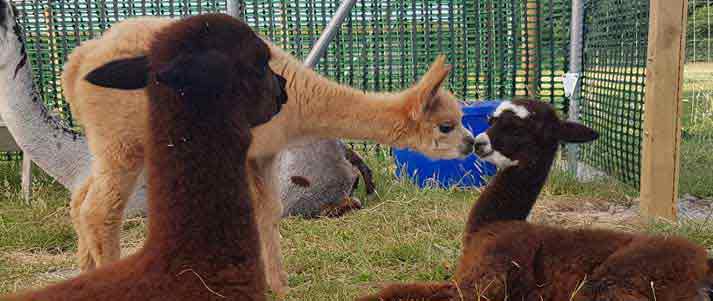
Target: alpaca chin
(485, 151)
(499, 160)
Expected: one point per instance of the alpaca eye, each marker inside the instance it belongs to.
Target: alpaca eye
(445, 128)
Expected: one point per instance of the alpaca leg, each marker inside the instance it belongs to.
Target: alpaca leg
(85, 260)
(270, 239)
(101, 214)
(337, 210)
(268, 212)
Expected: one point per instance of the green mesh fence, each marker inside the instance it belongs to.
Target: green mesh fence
(499, 48)
(615, 48)
(54, 28)
(386, 45)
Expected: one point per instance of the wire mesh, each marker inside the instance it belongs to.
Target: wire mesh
(699, 38)
(499, 48)
(615, 46)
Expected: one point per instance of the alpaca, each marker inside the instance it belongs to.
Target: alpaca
(203, 96)
(424, 117)
(314, 180)
(506, 258)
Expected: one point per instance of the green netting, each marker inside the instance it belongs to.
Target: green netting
(499, 48)
(54, 28)
(386, 45)
(615, 48)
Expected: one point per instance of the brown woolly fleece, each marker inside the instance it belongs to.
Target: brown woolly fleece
(203, 241)
(506, 258)
(318, 108)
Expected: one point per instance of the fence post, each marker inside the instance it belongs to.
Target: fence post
(572, 78)
(236, 8)
(662, 108)
(26, 176)
(532, 56)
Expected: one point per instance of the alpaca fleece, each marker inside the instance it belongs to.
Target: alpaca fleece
(317, 108)
(203, 242)
(319, 179)
(506, 258)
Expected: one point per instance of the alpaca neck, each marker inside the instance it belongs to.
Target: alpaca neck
(199, 204)
(326, 109)
(511, 194)
(53, 146)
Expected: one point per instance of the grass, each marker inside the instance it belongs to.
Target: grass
(407, 234)
(697, 132)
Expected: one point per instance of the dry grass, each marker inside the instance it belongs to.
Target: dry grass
(406, 235)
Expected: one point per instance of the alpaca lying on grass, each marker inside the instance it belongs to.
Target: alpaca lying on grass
(423, 117)
(506, 258)
(204, 95)
(314, 180)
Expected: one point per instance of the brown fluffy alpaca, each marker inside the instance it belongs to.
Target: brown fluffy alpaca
(506, 258)
(424, 117)
(203, 242)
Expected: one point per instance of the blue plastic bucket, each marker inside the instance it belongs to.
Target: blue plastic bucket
(467, 172)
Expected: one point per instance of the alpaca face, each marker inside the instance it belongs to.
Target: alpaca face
(437, 114)
(522, 130)
(448, 137)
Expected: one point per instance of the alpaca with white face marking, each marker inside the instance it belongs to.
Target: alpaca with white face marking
(506, 258)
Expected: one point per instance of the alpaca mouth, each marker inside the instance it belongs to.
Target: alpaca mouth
(484, 155)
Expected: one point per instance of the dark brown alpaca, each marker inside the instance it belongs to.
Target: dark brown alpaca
(208, 83)
(506, 258)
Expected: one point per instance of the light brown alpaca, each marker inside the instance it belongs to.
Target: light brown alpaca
(424, 117)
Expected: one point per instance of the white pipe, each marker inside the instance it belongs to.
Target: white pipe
(574, 75)
(329, 32)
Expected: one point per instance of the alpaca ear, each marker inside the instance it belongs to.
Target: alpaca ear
(427, 89)
(573, 132)
(124, 74)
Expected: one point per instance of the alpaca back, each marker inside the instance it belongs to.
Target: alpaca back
(331, 177)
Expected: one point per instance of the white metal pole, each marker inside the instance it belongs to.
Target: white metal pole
(329, 32)
(572, 78)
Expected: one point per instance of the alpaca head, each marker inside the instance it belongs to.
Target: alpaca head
(522, 131)
(436, 114)
(211, 57)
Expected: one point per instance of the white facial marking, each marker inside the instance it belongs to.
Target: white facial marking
(519, 110)
(492, 156)
(500, 161)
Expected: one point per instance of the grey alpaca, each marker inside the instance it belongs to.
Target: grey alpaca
(319, 179)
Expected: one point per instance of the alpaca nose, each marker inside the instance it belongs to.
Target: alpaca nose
(470, 141)
(467, 147)
(481, 145)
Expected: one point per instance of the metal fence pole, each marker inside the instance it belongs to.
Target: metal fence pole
(572, 78)
(329, 32)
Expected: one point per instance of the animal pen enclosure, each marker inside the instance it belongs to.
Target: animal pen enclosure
(500, 50)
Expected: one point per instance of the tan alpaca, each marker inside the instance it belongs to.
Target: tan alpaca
(423, 117)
